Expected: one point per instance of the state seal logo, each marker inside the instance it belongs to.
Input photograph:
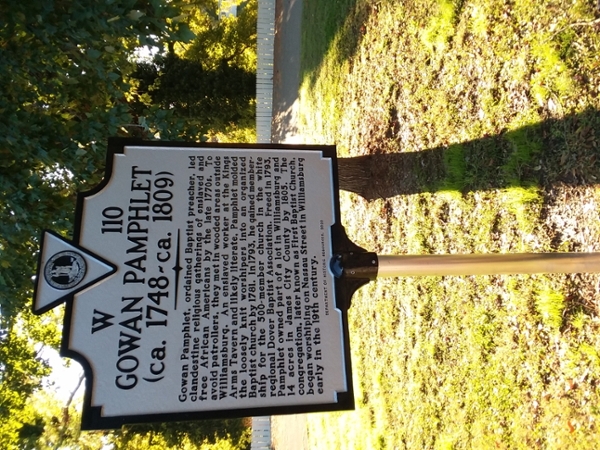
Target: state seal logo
(65, 270)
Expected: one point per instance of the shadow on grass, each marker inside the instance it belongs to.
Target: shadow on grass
(340, 23)
(555, 151)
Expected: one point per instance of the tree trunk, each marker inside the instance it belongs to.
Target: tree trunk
(354, 175)
(387, 175)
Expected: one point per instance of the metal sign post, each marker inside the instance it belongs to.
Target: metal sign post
(492, 264)
(358, 267)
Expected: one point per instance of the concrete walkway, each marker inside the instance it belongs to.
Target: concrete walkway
(286, 73)
(288, 432)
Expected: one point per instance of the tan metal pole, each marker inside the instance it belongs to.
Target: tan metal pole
(423, 265)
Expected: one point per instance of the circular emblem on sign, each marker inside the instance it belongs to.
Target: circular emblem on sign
(65, 270)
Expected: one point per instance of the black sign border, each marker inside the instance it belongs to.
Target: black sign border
(92, 418)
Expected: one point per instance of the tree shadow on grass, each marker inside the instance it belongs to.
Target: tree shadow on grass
(300, 48)
(552, 152)
(340, 33)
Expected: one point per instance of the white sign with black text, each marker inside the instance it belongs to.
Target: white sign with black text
(199, 281)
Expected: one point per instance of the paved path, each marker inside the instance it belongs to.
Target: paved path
(286, 70)
(288, 432)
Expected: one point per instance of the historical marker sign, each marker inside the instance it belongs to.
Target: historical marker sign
(199, 284)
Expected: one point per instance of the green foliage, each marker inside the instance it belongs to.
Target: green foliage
(230, 39)
(56, 425)
(210, 83)
(63, 78)
(21, 372)
(66, 84)
(210, 99)
(189, 435)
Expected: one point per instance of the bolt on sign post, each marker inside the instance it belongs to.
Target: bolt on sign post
(209, 280)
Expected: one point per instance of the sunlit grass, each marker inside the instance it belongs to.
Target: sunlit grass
(509, 91)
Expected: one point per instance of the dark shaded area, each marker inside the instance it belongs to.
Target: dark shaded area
(199, 431)
(344, 17)
(552, 152)
(30, 433)
(210, 97)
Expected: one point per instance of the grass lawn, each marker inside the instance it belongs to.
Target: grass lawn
(483, 119)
